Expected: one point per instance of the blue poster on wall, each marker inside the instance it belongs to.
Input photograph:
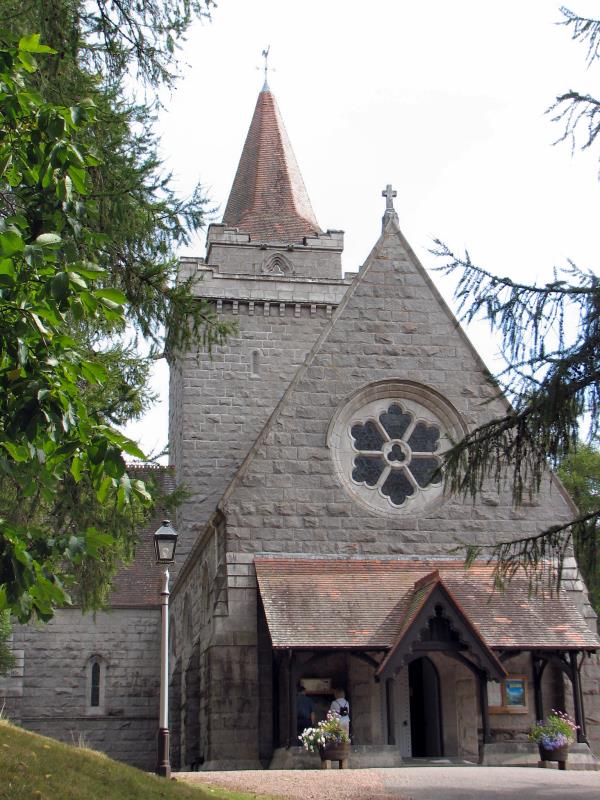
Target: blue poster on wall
(515, 692)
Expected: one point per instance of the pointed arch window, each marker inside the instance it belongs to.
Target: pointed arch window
(96, 685)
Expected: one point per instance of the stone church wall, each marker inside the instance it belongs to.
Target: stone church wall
(393, 327)
(221, 401)
(55, 682)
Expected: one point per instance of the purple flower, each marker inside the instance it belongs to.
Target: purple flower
(553, 742)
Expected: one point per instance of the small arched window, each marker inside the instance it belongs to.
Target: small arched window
(96, 685)
(255, 362)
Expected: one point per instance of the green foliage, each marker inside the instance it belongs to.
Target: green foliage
(580, 474)
(143, 221)
(6, 657)
(87, 267)
(34, 766)
(552, 371)
(52, 446)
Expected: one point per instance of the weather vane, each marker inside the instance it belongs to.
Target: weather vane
(265, 55)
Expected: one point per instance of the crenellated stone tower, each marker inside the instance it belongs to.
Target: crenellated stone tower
(270, 269)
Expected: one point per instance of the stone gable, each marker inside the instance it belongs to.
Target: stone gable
(392, 326)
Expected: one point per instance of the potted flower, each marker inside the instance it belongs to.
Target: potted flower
(329, 737)
(554, 735)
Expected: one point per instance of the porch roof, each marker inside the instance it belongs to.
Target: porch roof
(365, 603)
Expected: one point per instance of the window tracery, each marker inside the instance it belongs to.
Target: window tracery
(387, 441)
(396, 453)
(277, 264)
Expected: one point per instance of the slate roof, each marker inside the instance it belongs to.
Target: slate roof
(426, 591)
(139, 583)
(364, 603)
(268, 198)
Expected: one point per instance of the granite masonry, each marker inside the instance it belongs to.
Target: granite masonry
(317, 545)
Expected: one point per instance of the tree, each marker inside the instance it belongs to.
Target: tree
(51, 443)
(90, 181)
(6, 657)
(100, 47)
(552, 373)
(580, 474)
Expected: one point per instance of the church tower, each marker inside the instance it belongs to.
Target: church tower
(272, 270)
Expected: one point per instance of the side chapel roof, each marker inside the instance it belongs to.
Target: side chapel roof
(268, 198)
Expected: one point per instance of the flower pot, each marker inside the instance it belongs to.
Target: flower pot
(556, 754)
(334, 751)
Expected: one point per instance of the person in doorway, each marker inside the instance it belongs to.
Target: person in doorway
(341, 708)
(305, 710)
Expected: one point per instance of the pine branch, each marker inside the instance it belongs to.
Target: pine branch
(552, 374)
(585, 30)
(540, 557)
(575, 110)
(550, 387)
(530, 318)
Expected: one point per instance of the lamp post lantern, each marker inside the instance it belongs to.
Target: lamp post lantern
(165, 542)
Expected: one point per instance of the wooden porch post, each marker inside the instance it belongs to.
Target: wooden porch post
(485, 714)
(577, 697)
(293, 712)
(389, 708)
(539, 666)
(276, 689)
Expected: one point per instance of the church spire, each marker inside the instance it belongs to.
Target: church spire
(268, 198)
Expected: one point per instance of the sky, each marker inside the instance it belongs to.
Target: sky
(444, 100)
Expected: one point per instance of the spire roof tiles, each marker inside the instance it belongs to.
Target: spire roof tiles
(268, 198)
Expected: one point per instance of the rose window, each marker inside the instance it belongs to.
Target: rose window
(387, 442)
(396, 454)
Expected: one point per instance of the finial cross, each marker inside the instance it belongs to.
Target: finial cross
(265, 55)
(389, 195)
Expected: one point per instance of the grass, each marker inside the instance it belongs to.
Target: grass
(37, 768)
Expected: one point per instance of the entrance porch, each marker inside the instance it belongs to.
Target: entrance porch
(411, 648)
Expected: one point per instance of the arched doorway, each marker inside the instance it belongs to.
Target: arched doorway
(425, 709)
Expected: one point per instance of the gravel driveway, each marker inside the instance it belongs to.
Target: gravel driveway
(409, 783)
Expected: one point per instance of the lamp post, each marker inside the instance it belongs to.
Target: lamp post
(165, 541)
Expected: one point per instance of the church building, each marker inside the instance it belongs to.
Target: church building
(317, 546)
